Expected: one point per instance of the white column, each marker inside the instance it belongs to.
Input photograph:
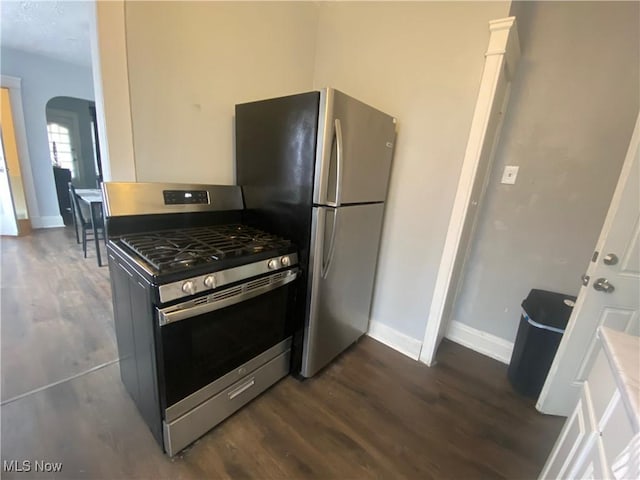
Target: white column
(501, 61)
(111, 88)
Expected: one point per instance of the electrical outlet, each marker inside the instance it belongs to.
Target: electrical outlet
(509, 175)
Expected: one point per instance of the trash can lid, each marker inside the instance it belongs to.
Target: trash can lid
(548, 308)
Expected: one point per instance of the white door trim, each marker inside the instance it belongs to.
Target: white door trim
(14, 84)
(501, 58)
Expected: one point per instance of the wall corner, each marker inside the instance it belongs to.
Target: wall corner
(111, 87)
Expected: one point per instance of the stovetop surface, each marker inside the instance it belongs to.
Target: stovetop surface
(195, 249)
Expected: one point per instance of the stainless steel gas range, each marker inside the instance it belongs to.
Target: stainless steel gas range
(201, 304)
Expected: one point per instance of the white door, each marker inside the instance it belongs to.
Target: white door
(610, 297)
(8, 223)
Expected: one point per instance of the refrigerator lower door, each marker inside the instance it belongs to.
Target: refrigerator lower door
(344, 252)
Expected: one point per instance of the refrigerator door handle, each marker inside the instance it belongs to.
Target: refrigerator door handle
(339, 161)
(326, 261)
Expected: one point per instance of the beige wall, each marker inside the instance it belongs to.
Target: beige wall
(190, 63)
(422, 63)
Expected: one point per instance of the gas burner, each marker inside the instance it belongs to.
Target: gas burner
(255, 248)
(178, 249)
(242, 237)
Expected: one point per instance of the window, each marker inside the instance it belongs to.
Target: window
(60, 147)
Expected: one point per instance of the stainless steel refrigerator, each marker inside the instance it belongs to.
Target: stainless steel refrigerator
(315, 168)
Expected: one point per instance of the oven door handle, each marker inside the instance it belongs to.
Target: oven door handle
(225, 298)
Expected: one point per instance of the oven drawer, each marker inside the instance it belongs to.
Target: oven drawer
(182, 431)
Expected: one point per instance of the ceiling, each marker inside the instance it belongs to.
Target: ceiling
(57, 29)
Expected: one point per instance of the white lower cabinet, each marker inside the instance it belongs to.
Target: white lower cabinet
(591, 463)
(572, 440)
(595, 433)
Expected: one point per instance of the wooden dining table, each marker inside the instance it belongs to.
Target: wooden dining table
(93, 198)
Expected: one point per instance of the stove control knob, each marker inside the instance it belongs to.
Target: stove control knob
(189, 287)
(210, 281)
(273, 264)
(285, 261)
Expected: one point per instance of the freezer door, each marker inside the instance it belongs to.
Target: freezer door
(354, 151)
(344, 253)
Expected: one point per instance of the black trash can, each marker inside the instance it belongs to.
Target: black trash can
(542, 323)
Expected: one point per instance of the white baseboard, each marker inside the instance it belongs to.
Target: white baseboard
(479, 341)
(391, 337)
(52, 221)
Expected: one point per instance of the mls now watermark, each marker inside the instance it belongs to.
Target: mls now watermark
(31, 466)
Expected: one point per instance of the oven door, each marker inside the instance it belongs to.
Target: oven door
(208, 343)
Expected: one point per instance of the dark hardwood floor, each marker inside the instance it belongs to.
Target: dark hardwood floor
(57, 318)
(373, 413)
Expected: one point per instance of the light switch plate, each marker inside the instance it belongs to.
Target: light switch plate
(509, 175)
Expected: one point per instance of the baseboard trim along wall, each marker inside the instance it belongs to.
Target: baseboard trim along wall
(479, 341)
(52, 221)
(458, 332)
(404, 344)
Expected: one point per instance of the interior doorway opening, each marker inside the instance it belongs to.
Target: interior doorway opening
(73, 148)
(15, 214)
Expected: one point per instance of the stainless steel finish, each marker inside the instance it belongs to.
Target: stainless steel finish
(594, 257)
(210, 281)
(603, 285)
(183, 430)
(323, 146)
(585, 279)
(273, 264)
(140, 263)
(242, 388)
(173, 291)
(189, 287)
(351, 187)
(130, 198)
(340, 303)
(326, 262)
(196, 398)
(361, 134)
(285, 261)
(339, 161)
(225, 298)
(610, 259)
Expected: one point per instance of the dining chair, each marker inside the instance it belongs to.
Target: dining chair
(83, 220)
(73, 210)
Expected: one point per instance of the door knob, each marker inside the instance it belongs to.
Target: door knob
(603, 285)
(610, 259)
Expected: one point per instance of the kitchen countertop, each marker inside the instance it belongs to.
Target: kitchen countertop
(623, 352)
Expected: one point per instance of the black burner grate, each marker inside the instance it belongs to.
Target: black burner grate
(169, 249)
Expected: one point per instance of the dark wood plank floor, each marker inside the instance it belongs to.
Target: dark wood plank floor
(373, 413)
(56, 312)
